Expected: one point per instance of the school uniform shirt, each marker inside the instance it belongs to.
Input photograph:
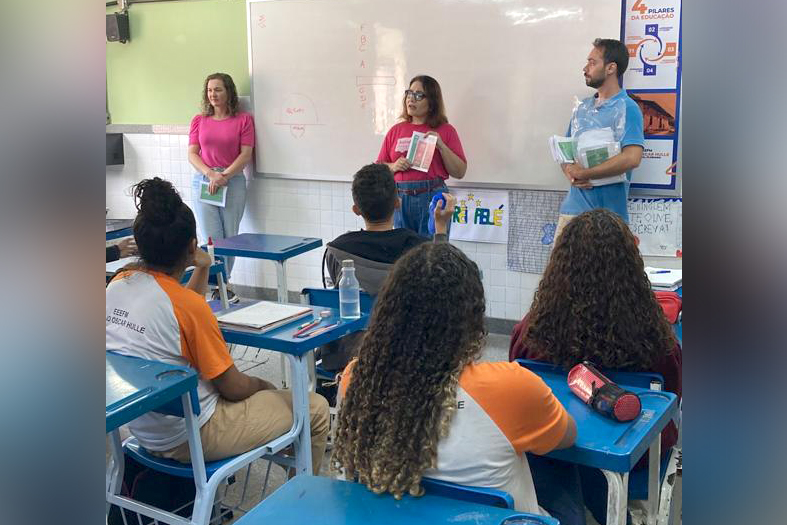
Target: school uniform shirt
(503, 411)
(397, 142)
(152, 316)
(220, 140)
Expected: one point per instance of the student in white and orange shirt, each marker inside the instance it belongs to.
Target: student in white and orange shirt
(150, 315)
(416, 403)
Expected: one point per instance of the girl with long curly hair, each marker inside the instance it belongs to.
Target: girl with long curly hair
(595, 303)
(416, 401)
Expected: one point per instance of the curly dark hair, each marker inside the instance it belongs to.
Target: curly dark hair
(426, 326)
(164, 226)
(232, 94)
(594, 301)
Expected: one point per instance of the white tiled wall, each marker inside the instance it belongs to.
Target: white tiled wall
(296, 207)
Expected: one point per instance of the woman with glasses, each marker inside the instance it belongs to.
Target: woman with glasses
(422, 111)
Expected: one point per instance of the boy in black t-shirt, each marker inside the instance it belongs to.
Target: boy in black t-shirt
(375, 248)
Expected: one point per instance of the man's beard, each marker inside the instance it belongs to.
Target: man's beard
(595, 83)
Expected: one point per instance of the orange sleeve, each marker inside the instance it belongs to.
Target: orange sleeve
(202, 343)
(200, 337)
(520, 404)
(346, 377)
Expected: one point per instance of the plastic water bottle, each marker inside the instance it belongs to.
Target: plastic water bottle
(349, 292)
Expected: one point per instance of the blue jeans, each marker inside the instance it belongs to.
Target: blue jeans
(558, 489)
(414, 213)
(218, 222)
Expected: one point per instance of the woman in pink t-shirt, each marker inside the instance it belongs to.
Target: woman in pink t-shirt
(221, 141)
(422, 111)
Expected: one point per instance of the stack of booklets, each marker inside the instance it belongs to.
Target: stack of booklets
(592, 148)
(664, 278)
(262, 317)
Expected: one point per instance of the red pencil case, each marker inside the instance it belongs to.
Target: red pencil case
(603, 395)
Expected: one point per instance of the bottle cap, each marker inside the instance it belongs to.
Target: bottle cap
(348, 263)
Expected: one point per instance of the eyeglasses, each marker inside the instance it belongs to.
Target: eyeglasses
(417, 95)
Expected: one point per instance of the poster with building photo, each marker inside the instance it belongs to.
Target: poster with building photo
(651, 31)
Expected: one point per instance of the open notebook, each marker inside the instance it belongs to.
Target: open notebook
(261, 317)
(664, 278)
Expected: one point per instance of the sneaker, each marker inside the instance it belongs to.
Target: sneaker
(231, 297)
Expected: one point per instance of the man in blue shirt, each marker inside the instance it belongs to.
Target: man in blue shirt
(609, 107)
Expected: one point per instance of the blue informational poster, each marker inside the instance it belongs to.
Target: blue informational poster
(651, 30)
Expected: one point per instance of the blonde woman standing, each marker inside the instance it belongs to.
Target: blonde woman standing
(221, 141)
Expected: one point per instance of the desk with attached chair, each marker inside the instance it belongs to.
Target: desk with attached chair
(612, 446)
(298, 351)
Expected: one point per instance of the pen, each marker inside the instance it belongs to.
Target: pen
(306, 326)
(660, 271)
(307, 323)
(319, 331)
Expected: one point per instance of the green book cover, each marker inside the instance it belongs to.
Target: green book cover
(217, 198)
(596, 156)
(567, 148)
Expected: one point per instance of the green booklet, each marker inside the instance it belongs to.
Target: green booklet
(563, 149)
(217, 199)
(596, 156)
(567, 148)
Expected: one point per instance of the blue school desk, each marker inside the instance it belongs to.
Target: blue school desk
(609, 445)
(323, 501)
(276, 248)
(298, 351)
(117, 228)
(134, 387)
(137, 386)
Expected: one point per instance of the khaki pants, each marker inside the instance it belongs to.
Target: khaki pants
(562, 220)
(237, 427)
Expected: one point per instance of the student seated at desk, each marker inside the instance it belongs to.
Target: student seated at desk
(595, 302)
(379, 245)
(150, 315)
(376, 248)
(417, 403)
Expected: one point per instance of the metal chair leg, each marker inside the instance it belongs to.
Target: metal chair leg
(617, 497)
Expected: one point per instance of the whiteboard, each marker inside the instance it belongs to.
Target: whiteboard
(328, 76)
